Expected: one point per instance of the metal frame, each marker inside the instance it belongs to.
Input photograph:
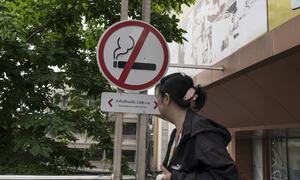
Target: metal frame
(216, 68)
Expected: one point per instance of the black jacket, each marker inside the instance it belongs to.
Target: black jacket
(201, 153)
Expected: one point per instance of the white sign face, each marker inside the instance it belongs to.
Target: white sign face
(128, 103)
(133, 55)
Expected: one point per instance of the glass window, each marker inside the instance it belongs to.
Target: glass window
(97, 155)
(278, 155)
(129, 129)
(129, 154)
(294, 154)
(285, 154)
(257, 155)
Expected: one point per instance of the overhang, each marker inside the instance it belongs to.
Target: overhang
(260, 86)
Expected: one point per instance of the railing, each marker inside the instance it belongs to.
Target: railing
(21, 177)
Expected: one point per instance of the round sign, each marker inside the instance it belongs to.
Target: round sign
(133, 55)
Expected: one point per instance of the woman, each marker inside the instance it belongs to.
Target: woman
(197, 147)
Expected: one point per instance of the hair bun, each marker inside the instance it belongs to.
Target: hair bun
(198, 102)
(181, 90)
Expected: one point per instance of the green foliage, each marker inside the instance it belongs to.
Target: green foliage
(125, 167)
(46, 46)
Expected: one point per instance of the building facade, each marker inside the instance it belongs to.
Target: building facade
(257, 95)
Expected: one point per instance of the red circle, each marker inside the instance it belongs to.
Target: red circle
(109, 76)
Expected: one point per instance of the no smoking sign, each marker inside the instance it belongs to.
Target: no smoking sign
(132, 55)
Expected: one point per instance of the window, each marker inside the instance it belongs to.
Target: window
(129, 129)
(278, 155)
(129, 154)
(285, 154)
(96, 156)
(293, 154)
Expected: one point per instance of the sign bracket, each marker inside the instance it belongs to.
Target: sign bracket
(216, 68)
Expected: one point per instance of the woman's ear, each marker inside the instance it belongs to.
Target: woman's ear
(167, 99)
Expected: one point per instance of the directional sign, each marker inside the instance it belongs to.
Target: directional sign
(128, 103)
(132, 55)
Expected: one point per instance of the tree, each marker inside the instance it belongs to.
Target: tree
(49, 45)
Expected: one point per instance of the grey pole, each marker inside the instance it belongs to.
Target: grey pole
(124, 10)
(117, 175)
(146, 11)
(142, 119)
(141, 146)
(118, 147)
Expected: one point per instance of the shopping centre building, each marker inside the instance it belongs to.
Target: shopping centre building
(257, 95)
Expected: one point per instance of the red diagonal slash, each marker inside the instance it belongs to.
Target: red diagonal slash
(134, 55)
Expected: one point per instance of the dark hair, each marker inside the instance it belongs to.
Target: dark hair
(177, 85)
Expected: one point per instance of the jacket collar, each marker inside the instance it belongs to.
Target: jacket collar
(187, 125)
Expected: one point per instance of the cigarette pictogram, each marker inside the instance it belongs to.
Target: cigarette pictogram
(136, 65)
(125, 45)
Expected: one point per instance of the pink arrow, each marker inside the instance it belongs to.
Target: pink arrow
(155, 105)
(109, 102)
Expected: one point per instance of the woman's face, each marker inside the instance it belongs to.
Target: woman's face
(161, 103)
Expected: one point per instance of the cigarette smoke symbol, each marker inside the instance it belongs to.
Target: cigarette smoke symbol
(122, 50)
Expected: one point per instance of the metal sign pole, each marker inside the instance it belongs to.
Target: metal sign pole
(124, 10)
(141, 146)
(146, 11)
(142, 119)
(117, 175)
(118, 147)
